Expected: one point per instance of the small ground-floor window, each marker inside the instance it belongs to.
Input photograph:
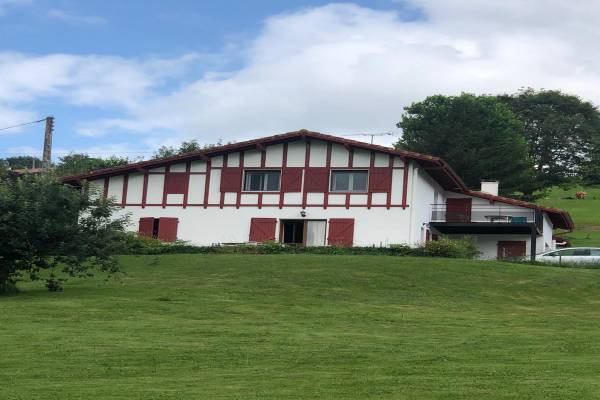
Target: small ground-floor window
(303, 232)
(512, 249)
(162, 228)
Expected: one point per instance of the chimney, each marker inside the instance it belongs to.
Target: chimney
(490, 187)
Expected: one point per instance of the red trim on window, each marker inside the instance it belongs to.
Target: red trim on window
(124, 192)
(164, 197)
(405, 184)
(238, 196)
(370, 194)
(188, 168)
(207, 183)
(306, 164)
(282, 189)
(328, 166)
(105, 189)
(176, 183)
(145, 189)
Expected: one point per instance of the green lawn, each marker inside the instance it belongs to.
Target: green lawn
(306, 327)
(585, 213)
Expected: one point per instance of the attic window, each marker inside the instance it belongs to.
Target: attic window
(349, 181)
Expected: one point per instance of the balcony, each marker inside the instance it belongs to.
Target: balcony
(493, 219)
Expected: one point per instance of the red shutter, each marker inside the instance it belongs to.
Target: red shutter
(167, 229)
(316, 179)
(262, 229)
(146, 226)
(176, 182)
(341, 232)
(231, 179)
(380, 179)
(291, 180)
(458, 210)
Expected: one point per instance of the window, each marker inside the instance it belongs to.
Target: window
(570, 252)
(262, 181)
(349, 181)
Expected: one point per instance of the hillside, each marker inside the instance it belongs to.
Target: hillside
(585, 213)
(306, 327)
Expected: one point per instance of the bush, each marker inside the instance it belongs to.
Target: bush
(461, 248)
(452, 248)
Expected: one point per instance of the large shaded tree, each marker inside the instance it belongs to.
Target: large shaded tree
(562, 132)
(81, 163)
(479, 136)
(45, 225)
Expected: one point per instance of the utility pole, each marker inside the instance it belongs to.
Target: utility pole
(47, 155)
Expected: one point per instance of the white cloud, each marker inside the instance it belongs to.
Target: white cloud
(72, 18)
(5, 4)
(339, 68)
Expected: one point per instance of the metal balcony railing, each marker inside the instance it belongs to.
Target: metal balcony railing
(496, 214)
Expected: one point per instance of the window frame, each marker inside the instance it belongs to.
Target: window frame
(265, 182)
(350, 181)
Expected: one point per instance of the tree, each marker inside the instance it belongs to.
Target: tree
(45, 225)
(477, 135)
(184, 147)
(81, 163)
(562, 132)
(21, 162)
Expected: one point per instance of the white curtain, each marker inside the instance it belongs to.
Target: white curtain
(315, 233)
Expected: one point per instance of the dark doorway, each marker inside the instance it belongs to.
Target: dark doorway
(293, 231)
(155, 226)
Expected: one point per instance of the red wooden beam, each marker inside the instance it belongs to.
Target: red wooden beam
(328, 166)
(283, 167)
(306, 165)
(207, 183)
(405, 184)
(145, 189)
(124, 192)
(164, 197)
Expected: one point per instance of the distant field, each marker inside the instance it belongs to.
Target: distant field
(306, 327)
(585, 213)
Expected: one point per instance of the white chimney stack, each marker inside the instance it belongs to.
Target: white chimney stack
(490, 187)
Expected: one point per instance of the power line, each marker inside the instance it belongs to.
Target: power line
(23, 124)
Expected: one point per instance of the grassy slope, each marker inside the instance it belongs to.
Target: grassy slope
(585, 213)
(306, 327)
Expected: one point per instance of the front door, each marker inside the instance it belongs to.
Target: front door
(511, 249)
(458, 210)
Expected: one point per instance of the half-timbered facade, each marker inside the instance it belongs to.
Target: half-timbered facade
(313, 189)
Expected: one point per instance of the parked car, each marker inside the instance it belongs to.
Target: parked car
(572, 255)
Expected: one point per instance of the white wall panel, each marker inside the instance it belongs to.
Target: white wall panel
(175, 198)
(270, 199)
(382, 159)
(379, 198)
(315, 198)
(177, 167)
(361, 158)
(318, 153)
(296, 154)
(233, 159)
(274, 156)
(339, 156)
(198, 166)
(337, 199)
(115, 188)
(217, 161)
(397, 185)
(358, 199)
(230, 198)
(155, 189)
(252, 158)
(196, 189)
(292, 198)
(135, 188)
(214, 193)
(249, 199)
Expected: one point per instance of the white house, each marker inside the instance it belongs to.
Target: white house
(313, 189)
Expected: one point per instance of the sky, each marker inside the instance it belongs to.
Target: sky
(125, 77)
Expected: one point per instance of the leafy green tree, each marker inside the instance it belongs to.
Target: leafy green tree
(477, 135)
(562, 132)
(80, 163)
(22, 162)
(184, 147)
(45, 225)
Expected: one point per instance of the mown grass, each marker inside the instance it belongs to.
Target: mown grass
(306, 327)
(585, 213)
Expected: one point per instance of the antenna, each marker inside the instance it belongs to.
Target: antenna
(47, 155)
(372, 135)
